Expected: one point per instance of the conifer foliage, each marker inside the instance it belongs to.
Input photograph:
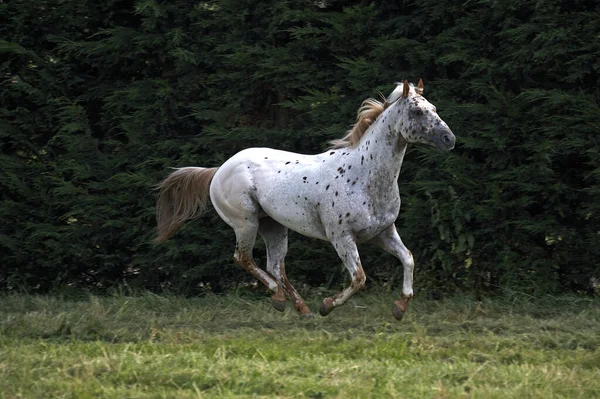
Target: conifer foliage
(99, 99)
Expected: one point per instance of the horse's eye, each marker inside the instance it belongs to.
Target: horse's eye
(417, 112)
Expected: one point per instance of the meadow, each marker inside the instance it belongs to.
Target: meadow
(151, 346)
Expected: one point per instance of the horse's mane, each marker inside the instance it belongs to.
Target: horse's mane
(368, 112)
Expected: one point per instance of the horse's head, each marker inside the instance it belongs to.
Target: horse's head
(418, 121)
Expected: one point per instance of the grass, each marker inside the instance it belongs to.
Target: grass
(150, 346)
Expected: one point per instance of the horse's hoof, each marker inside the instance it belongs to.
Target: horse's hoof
(399, 308)
(307, 316)
(278, 304)
(326, 307)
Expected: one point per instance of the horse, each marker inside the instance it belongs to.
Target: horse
(346, 195)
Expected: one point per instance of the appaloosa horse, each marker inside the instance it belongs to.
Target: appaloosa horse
(346, 195)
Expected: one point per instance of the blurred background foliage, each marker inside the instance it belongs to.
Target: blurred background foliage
(99, 99)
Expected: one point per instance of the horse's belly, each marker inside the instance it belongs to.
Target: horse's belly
(307, 228)
(296, 213)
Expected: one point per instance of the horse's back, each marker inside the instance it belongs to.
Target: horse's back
(279, 183)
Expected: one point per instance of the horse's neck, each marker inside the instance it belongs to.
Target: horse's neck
(383, 150)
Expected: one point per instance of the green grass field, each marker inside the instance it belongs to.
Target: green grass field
(232, 346)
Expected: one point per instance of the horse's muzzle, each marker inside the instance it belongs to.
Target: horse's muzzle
(444, 138)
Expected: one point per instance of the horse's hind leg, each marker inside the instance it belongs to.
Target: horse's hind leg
(240, 211)
(276, 241)
(246, 237)
(390, 241)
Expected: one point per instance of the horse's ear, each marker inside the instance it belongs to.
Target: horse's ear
(405, 89)
(420, 87)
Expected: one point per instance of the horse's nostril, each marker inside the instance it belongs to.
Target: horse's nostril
(446, 139)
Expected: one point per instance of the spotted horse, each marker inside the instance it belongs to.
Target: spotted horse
(345, 195)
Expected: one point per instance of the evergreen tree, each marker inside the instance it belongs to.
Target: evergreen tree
(97, 101)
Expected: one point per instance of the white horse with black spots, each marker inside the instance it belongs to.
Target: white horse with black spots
(346, 195)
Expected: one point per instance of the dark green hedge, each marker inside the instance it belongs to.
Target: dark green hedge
(99, 99)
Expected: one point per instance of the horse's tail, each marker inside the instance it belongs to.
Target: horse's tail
(183, 195)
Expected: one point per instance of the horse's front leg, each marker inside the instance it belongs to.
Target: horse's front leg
(390, 241)
(347, 251)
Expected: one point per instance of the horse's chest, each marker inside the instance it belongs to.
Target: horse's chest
(373, 220)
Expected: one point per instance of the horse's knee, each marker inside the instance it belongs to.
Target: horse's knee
(275, 271)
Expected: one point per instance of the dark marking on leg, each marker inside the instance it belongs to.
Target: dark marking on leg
(326, 307)
(296, 299)
(359, 279)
